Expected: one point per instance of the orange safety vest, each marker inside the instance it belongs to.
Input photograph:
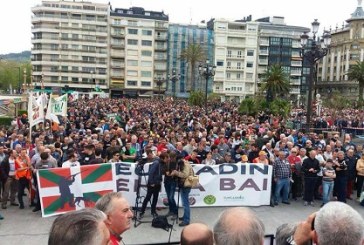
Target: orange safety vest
(19, 163)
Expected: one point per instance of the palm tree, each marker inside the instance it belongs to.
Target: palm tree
(356, 73)
(275, 82)
(192, 54)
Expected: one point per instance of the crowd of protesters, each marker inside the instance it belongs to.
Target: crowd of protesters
(308, 165)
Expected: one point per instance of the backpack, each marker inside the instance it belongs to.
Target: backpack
(161, 222)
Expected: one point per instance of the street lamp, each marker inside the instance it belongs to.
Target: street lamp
(208, 71)
(174, 77)
(27, 86)
(312, 55)
(159, 82)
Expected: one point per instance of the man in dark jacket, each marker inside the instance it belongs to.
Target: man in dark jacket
(154, 183)
(310, 168)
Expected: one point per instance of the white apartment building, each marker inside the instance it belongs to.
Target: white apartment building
(70, 45)
(138, 52)
(235, 54)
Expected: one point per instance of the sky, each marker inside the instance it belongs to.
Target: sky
(15, 15)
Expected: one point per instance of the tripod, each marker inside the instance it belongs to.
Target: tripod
(139, 199)
(177, 214)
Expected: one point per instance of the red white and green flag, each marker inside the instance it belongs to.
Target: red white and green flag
(66, 189)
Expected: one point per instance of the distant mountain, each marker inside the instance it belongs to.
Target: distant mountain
(23, 56)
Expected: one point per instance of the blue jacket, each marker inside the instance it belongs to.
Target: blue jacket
(155, 173)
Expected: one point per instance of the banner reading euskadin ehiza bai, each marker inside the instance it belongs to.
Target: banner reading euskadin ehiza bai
(66, 189)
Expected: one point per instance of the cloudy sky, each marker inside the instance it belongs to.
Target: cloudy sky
(15, 15)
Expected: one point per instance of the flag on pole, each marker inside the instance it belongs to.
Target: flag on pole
(35, 110)
(57, 106)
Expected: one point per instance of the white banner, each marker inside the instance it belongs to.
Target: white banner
(220, 185)
(35, 110)
(57, 105)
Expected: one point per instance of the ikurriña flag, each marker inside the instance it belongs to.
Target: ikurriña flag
(66, 189)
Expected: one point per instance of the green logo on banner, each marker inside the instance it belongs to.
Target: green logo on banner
(209, 199)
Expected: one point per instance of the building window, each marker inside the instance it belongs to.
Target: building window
(133, 31)
(132, 62)
(219, 63)
(132, 73)
(250, 53)
(146, 74)
(132, 83)
(146, 53)
(238, 75)
(75, 79)
(146, 63)
(147, 32)
(132, 23)
(238, 65)
(249, 75)
(239, 54)
(146, 43)
(229, 53)
(228, 65)
(146, 84)
(132, 42)
(228, 75)
(249, 64)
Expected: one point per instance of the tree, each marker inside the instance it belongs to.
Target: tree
(356, 73)
(280, 107)
(197, 98)
(192, 54)
(249, 107)
(275, 82)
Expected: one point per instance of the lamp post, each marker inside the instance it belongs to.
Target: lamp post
(174, 77)
(312, 55)
(206, 70)
(27, 87)
(159, 82)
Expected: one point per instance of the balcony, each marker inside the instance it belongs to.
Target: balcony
(160, 57)
(161, 37)
(235, 57)
(295, 81)
(296, 44)
(160, 47)
(263, 52)
(117, 34)
(263, 42)
(263, 61)
(160, 68)
(296, 63)
(296, 72)
(117, 54)
(117, 45)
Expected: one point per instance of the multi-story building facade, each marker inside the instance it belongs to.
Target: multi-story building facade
(179, 38)
(347, 47)
(138, 52)
(70, 45)
(280, 44)
(235, 58)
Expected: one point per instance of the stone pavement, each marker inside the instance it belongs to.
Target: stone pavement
(25, 227)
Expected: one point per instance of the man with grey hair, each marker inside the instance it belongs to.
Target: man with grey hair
(284, 232)
(336, 223)
(85, 226)
(239, 226)
(118, 212)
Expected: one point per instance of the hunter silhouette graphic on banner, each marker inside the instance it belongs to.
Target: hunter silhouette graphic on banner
(67, 189)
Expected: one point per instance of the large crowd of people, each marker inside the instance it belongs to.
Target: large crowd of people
(310, 166)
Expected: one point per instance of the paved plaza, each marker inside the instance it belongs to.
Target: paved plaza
(25, 227)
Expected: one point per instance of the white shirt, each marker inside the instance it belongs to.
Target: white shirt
(68, 164)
